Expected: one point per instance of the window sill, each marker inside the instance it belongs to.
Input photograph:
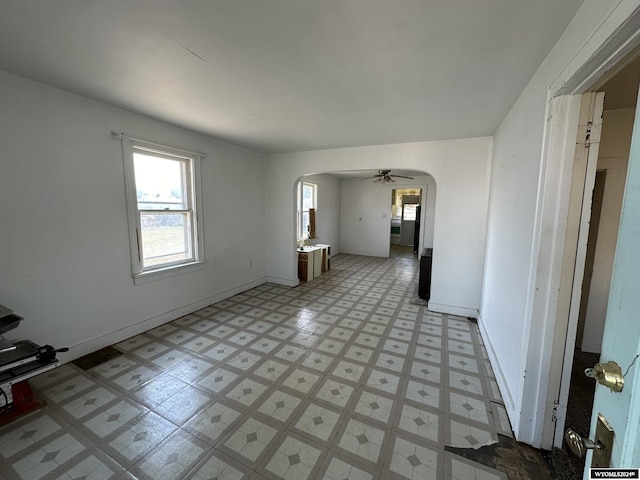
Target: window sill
(153, 275)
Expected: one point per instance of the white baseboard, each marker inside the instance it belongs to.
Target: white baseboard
(366, 253)
(453, 310)
(505, 391)
(286, 282)
(89, 346)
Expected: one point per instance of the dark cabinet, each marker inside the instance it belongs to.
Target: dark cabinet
(424, 280)
(303, 266)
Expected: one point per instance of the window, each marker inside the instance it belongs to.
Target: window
(162, 201)
(307, 198)
(409, 211)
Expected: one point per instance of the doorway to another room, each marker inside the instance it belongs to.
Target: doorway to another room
(405, 217)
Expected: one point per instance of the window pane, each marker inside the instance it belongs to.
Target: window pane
(166, 238)
(307, 197)
(305, 224)
(159, 182)
(409, 212)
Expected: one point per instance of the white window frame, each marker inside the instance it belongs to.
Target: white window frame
(301, 184)
(193, 189)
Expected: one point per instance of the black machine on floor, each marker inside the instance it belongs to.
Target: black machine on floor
(20, 361)
(424, 280)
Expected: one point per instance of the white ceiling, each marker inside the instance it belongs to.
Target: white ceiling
(291, 75)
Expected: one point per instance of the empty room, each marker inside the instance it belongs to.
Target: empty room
(333, 239)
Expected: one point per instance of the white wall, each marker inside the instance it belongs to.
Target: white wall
(614, 158)
(365, 218)
(519, 341)
(366, 210)
(460, 170)
(328, 211)
(65, 258)
(429, 211)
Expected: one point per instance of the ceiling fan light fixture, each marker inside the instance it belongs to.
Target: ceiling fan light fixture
(384, 179)
(384, 176)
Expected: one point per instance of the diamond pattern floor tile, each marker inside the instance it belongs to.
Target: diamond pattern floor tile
(339, 378)
(318, 422)
(413, 461)
(339, 469)
(172, 459)
(294, 460)
(362, 440)
(213, 422)
(250, 440)
(217, 465)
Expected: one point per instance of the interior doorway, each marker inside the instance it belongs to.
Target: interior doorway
(406, 214)
(606, 203)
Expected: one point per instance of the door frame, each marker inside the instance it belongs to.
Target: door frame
(582, 172)
(423, 211)
(402, 220)
(611, 47)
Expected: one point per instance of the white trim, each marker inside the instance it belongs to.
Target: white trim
(188, 167)
(192, 173)
(501, 380)
(132, 206)
(366, 253)
(614, 38)
(286, 282)
(198, 208)
(575, 256)
(546, 267)
(299, 207)
(115, 336)
(155, 145)
(423, 220)
(170, 271)
(453, 310)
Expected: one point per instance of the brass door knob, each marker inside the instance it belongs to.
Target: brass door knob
(602, 444)
(579, 444)
(608, 374)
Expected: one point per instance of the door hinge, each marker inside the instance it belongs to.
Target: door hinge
(554, 417)
(587, 135)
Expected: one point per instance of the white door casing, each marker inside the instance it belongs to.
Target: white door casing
(573, 260)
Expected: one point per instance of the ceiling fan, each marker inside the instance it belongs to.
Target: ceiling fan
(384, 176)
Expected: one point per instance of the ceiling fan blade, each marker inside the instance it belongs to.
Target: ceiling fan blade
(401, 176)
(368, 178)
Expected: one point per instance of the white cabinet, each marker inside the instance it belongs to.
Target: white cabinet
(317, 263)
(312, 261)
(326, 254)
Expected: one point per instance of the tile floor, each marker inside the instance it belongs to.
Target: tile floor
(340, 378)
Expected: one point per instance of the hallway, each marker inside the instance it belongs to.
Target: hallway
(342, 377)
